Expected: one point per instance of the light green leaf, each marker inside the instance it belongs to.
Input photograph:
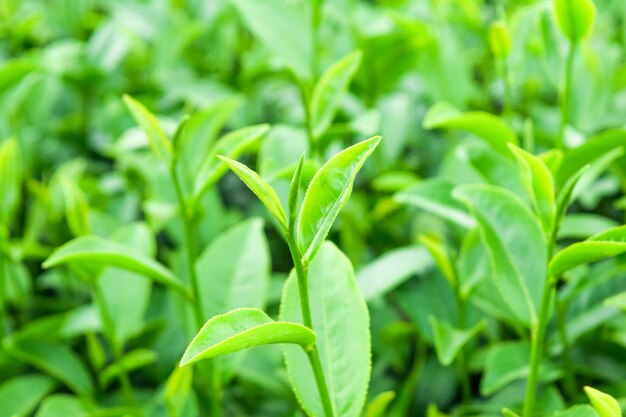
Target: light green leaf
(564, 196)
(76, 206)
(102, 252)
(577, 411)
(159, 143)
(618, 301)
(575, 18)
(19, 396)
(328, 191)
(232, 145)
(391, 269)
(583, 225)
(234, 269)
(605, 405)
(177, 390)
(63, 405)
(131, 361)
(330, 90)
(53, 358)
(260, 188)
(604, 245)
(11, 174)
(539, 184)
(341, 321)
(378, 406)
(449, 340)
(442, 258)
(242, 329)
(499, 39)
(516, 243)
(435, 196)
(486, 126)
(283, 29)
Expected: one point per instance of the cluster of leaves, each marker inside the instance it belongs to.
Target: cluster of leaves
(473, 267)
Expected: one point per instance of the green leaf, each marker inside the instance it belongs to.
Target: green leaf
(577, 411)
(235, 269)
(242, 329)
(442, 258)
(328, 191)
(63, 405)
(604, 245)
(449, 340)
(159, 143)
(435, 196)
(391, 269)
(131, 361)
(53, 358)
(617, 301)
(499, 39)
(564, 196)
(102, 252)
(232, 145)
(177, 390)
(330, 90)
(76, 207)
(516, 244)
(19, 396)
(493, 130)
(575, 18)
(341, 321)
(260, 188)
(583, 225)
(539, 184)
(378, 406)
(605, 405)
(283, 29)
(11, 175)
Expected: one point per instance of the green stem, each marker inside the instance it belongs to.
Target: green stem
(313, 354)
(569, 380)
(190, 250)
(537, 337)
(116, 348)
(566, 96)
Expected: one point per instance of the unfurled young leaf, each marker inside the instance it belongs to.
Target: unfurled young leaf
(604, 245)
(516, 244)
(260, 188)
(330, 90)
(493, 130)
(159, 142)
(341, 321)
(378, 406)
(328, 191)
(499, 39)
(575, 18)
(100, 252)
(449, 340)
(605, 405)
(242, 329)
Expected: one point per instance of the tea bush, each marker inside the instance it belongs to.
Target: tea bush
(334, 208)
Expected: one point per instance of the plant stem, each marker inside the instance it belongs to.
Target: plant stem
(303, 292)
(569, 380)
(536, 349)
(116, 348)
(566, 96)
(190, 249)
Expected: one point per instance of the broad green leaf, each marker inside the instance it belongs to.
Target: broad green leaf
(391, 269)
(516, 244)
(234, 269)
(583, 225)
(232, 145)
(499, 39)
(442, 258)
(378, 406)
(449, 340)
(242, 329)
(605, 405)
(575, 18)
(76, 207)
(341, 321)
(618, 301)
(596, 146)
(159, 143)
(577, 411)
(53, 358)
(508, 362)
(102, 252)
(604, 245)
(330, 90)
(283, 29)
(63, 405)
(260, 188)
(435, 196)
(328, 191)
(11, 173)
(539, 184)
(131, 361)
(19, 396)
(486, 126)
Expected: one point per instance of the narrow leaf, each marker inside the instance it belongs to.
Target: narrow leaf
(442, 258)
(605, 405)
(150, 125)
(328, 191)
(242, 329)
(378, 406)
